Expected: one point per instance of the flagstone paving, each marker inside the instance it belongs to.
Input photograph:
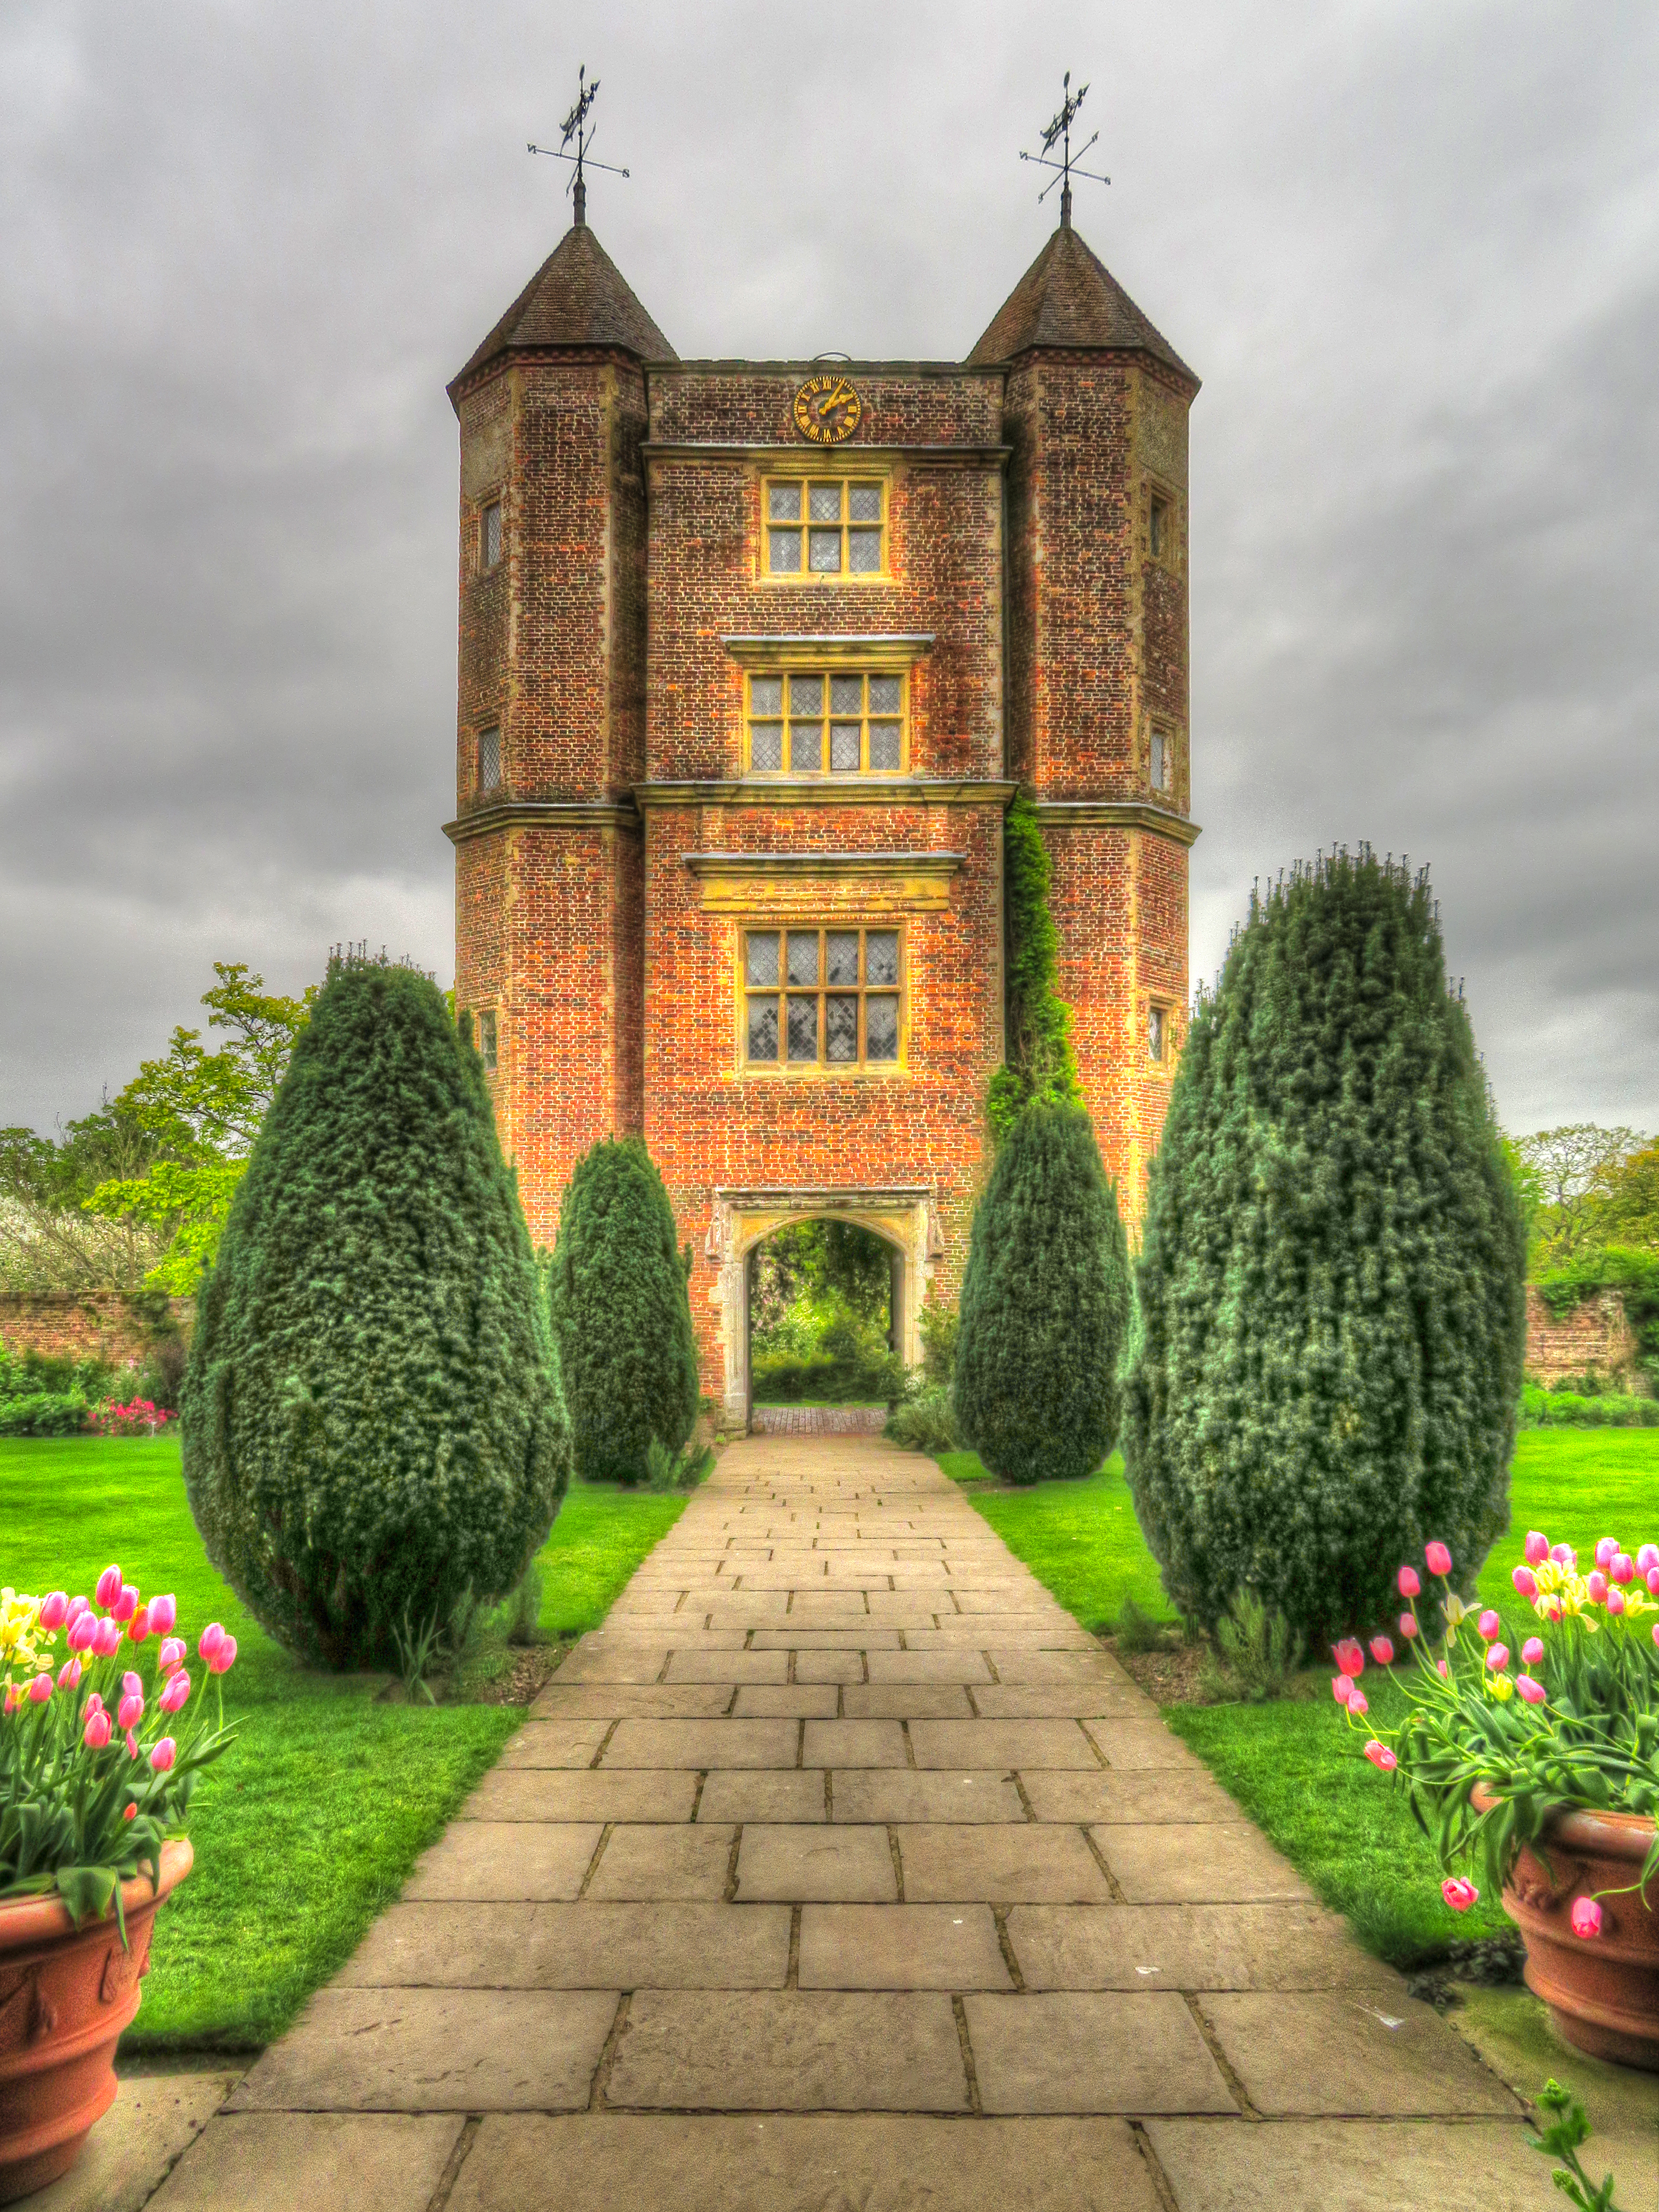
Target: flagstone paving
(841, 1867)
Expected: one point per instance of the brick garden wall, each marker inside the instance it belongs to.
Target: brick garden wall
(86, 1324)
(1594, 1334)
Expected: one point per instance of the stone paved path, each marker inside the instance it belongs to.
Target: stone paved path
(842, 1869)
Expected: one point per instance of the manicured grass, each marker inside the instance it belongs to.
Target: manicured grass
(309, 1824)
(1295, 1766)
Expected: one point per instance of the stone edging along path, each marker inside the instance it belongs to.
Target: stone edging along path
(841, 1868)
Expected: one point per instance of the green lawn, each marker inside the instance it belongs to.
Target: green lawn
(1295, 1768)
(309, 1824)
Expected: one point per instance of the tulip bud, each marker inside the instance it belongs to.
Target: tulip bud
(163, 1614)
(1498, 1656)
(1356, 1701)
(1342, 1688)
(174, 1691)
(39, 1689)
(1381, 1650)
(1408, 1583)
(83, 1631)
(132, 1743)
(129, 1712)
(107, 1638)
(1439, 1558)
(76, 1605)
(1537, 1549)
(54, 1610)
(1656, 1631)
(171, 1655)
(132, 1685)
(1445, 1671)
(1563, 1555)
(1489, 1625)
(1586, 1918)
(109, 1586)
(1647, 1559)
(125, 1605)
(164, 1754)
(97, 1732)
(1525, 1582)
(1653, 1580)
(211, 1637)
(1381, 1756)
(1349, 1658)
(1615, 1602)
(1623, 1569)
(1460, 1894)
(69, 1675)
(1607, 1551)
(1530, 1688)
(131, 1813)
(1408, 1626)
(1533, 1651)
(224, 1658)
(94, 1702)
(1596, 1583)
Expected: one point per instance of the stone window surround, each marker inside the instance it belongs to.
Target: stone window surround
(822, 1068)
(824, 466)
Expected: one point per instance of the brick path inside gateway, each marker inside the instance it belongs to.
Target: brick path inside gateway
(841, 1869)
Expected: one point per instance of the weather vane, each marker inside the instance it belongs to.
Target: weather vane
(1061, 129)
(577, 127)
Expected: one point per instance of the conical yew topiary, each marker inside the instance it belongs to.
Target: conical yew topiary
(1045, 1306)
(372, 1421)
(1331, 1281)
(622, 1318)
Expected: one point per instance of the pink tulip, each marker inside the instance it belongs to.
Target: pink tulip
(76, 1605)
(1563, 1555)
(171, 1655)
(211, 1637)
(132, 1685)
(14, 1699)
(1445, 1671)
(97, 1732)
(94, 1702)
(1525, 1582)
(1653, 1580)
(1596, 1583)
(164, 1754)
(54, 1610)
(1409, 1584)
(132, 1743)
(1533, 1651)
(129, 1712)
(1531, 1689)
(1381, 1756)
(1498, 1657)
(163, 1614)
(1460, 1894)
(1647, 1559)
(1342, 1688)
(1607, 1551)
(1381, 1650)
(39, 1689)
(224, 1658)
(174, 1691)
(1656, 1631)
(1438, 1559)
(1489, 1625)
(1586, 1918)
(1356, 1702)
(69, 1675)
(1623, 1569)
(1553, 1613)
(83, 1631)
(109, 1586)
(107, 1638)
(1349, 1658)
(125, 1605)
(1615, 1602)
(138, 1626)
(1408, 1626)
(1537, 1549)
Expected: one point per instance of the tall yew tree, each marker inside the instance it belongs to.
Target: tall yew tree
(621, 1314)
(1045, 1304)
(372, 1421)
(1331, 1275)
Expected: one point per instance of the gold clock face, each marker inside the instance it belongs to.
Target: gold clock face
(826, 409)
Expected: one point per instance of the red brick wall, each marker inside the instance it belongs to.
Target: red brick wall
(1595, 1334)
(87, 1324)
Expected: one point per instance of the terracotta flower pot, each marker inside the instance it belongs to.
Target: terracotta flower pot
(66, 1996)
(1603, 1994)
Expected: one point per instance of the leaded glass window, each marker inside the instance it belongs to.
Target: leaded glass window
(489, 759)
(1157, 1028)
(820, 997)
(826, 526)
(850, 723)
(489, 536)
(487, 1046)
(1160, 761)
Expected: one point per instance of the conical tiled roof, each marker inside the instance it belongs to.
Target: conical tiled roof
(1068, 298)
(578, 297)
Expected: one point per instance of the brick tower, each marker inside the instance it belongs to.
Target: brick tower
(753, 657)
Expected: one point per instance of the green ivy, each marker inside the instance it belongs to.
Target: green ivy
(1039, 1063)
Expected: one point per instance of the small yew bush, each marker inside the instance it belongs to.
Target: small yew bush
(1045, 1306)
(372, 1424)
(621, 1315)
(1332, 1276)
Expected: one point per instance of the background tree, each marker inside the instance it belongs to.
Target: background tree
(1332, 1272)
(1625, 1205)
(202, 1111)
(1045, 1306)
(48, 1239)
(621, 1315)
(1039, 1062)
(372, 1423)
(1575, 1168)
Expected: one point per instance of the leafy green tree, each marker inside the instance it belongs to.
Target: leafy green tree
(202, 1111)
(1039, 1062)
(1332, 1271)
(1045, 1306)
(1626, 1208)
(621, 1315)
(373, 1428)
(1571, 1168)
(48, 1239)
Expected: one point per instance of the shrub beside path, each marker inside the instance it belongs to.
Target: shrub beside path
(843, 1868)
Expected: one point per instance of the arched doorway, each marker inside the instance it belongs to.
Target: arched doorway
(903, 1218)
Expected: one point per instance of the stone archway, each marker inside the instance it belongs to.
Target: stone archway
(903, 1215)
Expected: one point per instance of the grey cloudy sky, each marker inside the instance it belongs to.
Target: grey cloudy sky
(1412, 247)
